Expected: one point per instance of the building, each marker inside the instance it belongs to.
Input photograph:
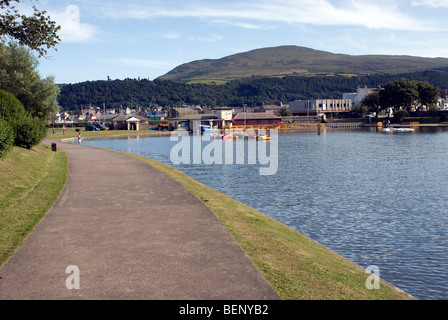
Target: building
(442, 104)
(224, 113)
(179, 112)
(360, 94)
(130, 122)
(256, 119)
(193, 122)
(273, 109)
(320, 107)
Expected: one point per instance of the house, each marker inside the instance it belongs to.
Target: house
(130, 122)
(256, 119)
(273, 109)
(320, 106)
(178, 112)
(224, 113)
(193, 122)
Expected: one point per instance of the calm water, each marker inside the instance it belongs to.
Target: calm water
(375, 198)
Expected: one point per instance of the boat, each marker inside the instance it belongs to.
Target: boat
(402, 130)
(264, 137)
(398, 130)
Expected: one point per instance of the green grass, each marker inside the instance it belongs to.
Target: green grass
(71, 133)
(31, 182)
(297, 267)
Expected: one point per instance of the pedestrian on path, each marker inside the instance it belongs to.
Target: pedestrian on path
(79, 137)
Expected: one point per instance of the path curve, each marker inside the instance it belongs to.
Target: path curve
(133, 233)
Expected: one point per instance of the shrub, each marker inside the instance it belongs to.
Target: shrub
(400, 114)
(10, 107)
(29, 132)
(6, 138)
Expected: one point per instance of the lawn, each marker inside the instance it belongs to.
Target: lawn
(71, 133)
(31, 182)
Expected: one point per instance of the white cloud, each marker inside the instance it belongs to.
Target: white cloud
(172, 35)
(211, 38)
(72, 29)
(431, 3)
(379, 14)
(245, 25)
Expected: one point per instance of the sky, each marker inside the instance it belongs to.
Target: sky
(146, 39)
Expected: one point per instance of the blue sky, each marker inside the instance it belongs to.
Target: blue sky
(136, 38)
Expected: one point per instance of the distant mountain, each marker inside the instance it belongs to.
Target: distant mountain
(294, 60)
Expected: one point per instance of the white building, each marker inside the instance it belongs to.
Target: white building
(358, 96)
(320, 106)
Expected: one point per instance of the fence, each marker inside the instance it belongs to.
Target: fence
(344, 125)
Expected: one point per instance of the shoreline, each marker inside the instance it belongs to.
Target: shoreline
(176, 173)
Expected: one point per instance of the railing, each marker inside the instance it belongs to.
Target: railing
(343, 125)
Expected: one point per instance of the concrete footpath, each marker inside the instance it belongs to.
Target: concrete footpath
(132, 233)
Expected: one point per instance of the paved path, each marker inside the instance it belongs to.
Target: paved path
(133, 233)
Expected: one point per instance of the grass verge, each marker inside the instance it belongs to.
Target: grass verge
(71, 133)
(297, 267)
(31, 182)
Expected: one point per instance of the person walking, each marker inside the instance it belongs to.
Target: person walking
(79, 137)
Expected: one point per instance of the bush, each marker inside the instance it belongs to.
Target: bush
(29, 132)
(10, 107)
(6, 138)
(400, 114)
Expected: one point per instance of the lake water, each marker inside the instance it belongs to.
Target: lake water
(376, 198)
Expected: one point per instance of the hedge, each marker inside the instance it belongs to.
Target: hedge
(29, 132)
(6, 138)
(10, 107)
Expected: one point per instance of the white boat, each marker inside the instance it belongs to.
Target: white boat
(402, 129)
(398, 130)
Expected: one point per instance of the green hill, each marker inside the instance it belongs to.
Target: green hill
(294, 60)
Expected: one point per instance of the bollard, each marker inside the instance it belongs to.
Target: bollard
(53, 147)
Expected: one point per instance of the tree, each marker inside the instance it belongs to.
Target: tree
(19, 75)
(38, 31)
(372, 102)
(10, 107)
(428, 95)
(285, 112)
(399, 94)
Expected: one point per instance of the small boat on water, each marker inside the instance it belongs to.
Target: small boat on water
(398, 130)
(264, 137)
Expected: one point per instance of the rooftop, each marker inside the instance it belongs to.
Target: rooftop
(255, 115)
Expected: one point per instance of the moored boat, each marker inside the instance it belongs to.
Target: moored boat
(398, 130)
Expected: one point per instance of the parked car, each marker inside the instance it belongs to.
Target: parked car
(96, 127)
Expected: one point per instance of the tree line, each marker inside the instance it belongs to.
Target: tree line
(26, 100)
(403, 96)
(253, 91)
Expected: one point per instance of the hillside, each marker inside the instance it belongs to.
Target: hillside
(294, 60)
